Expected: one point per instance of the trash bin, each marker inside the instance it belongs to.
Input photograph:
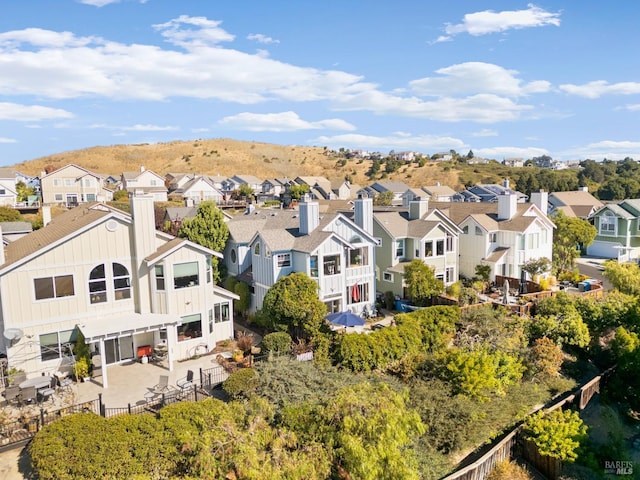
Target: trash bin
(582, 286)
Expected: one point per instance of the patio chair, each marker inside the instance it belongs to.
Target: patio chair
(29, 395)
(163, 385)
(185, 382)
(47, 392)
(12, 395)
(63, 383)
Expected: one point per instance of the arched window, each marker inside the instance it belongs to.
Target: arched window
(233, 255)
(98, 285)
(121, 282)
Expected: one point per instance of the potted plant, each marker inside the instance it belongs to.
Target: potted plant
(82, 369)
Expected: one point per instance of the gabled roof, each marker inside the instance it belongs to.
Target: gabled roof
(439, 190)
(134, 175)
(248, 179)
(617, 210)
(398, 225)
(575, 198)
(70, 165)
(7, 173)
(390, 186)
(16, 227)
(194, 181)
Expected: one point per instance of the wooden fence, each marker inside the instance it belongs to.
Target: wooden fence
(512, 445)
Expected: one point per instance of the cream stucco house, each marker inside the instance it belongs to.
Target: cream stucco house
(113, 277)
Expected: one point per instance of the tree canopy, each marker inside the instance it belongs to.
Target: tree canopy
(557, 434)
(571, 234)
(421, 281)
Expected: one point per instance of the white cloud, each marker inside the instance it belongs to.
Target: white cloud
(599, 88)
(476, 77)
(634, 108)
(30, 113)
(499, 153)
(206, 33)
(260, 38)
(609, 149)
(488, 21)
(281, 122)
(135, 128)
(485, 132)
(7, 140)
(425, 143)
(98, 3)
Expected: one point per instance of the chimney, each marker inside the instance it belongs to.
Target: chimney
(583, 189)
(46, 215)
(363, 209)
(541, 200)
(142, 169)
(418, 208)
(507, 206)
(505, 183)
(144, 244)
(309, 215)
(188, 202)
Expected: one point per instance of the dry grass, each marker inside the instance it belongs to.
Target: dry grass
(506, 470)
(229, 157)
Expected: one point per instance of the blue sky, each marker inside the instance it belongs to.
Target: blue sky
(502, 78)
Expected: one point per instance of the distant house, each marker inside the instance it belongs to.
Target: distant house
(490, 192)
(513, 162)
(12, 231)
(440, 193)
(196, 190)
(413, 194)
(146, 182)
(344, 190)
(319, 187)
(405, 156)
(254, 182)
(618, 226)
(175, 181)
(8, 191)
(72, 185)
(398, 188)
(578, 203)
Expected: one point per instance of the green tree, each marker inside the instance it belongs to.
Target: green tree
(208, 229)
(298, 191)
(24, 192)
(558, 434)
(623, 276)
(8, 214)
(244, 303)
(292, 305)
(120, 196)
(546, 358)
(421, 282)
(536, 266)
(384, 198)
(246, 191)
(570, 236)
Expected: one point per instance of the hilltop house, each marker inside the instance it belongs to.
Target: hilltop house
(112, 276)
(332, 249)
(618, 226)
(145, 181)
(72, 185)
(419, 233)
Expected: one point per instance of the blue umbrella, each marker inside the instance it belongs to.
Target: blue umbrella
(346, 319)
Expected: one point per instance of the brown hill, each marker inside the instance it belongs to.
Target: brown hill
(229, 157)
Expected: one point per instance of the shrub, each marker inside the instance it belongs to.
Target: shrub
(277, 342)
(507, 470)
(244, 341)
(558, 434)
(241, 383)
(546, 358)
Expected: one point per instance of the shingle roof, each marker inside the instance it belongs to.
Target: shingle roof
(577, 197)
(13, 227)
(486, 214)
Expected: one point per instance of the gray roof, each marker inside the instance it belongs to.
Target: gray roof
(16, 227)
(391, 186)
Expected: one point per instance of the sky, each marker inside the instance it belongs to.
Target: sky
(501, 78)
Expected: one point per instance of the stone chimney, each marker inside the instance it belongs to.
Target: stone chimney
(363, 209)
(541, 200)
(144, 244)
(46, 215)
(507, 206)
(309, 213)
(418, 208)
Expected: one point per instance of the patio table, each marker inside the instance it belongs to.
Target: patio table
(38, 382)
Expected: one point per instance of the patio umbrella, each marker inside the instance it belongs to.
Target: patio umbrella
(346, 319)
(506, 291)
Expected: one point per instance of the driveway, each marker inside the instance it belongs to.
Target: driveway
(592, 266)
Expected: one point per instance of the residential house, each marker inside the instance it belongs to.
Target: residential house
(578, 204)
(491, 192)
(254, 182)
(513, 162)
(405, 156)
(414, 233)
(397, 187)
(344, 190)
(504, 235)
(618, 226)
(441, 193)
(174, 181)
(196, 190)
(112, 276)
(332, 249)
(319, 187)
(145, 181)
(413, 194)
(12, 231)
(72, 185)
(8, 190)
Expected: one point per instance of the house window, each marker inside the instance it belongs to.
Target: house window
(210, 320)
(358, 257)
(449, 274)
(121, 282)
(159, 271)
(450, 243)
(357, 293)
(331, 265)
(608, 224)
(428, 249)
(54, 346)
(313, 266)
(234, 256)
(190, 327)
(59, 197)
(98, 285)
(478, 230)
(493, 237)
(333, 306)
(57, 182)
(208, 272)
(465, 229)
(53, 287)
(222, 312)
(185, 275)
(91, 197)
(68, 182)
(2, 191)
(399, 248)
(88, 182)
(387, 277)
(283, 259)
(440, 247)
(256, 249)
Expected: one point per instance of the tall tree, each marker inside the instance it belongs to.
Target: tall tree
(623, 276)
(292, 305)
(208, 229)
(421, 281)
(570, 236)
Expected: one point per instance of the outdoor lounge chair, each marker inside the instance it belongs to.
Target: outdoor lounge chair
(63, 383)
(29, 395)
(12, 395)
(186, 382)
(163, 385)
(47, 392)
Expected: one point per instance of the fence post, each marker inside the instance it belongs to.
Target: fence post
(41, 418)
(201, 377)
(103, 410)
(195, 388)
(129, 408)
(163, 404)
